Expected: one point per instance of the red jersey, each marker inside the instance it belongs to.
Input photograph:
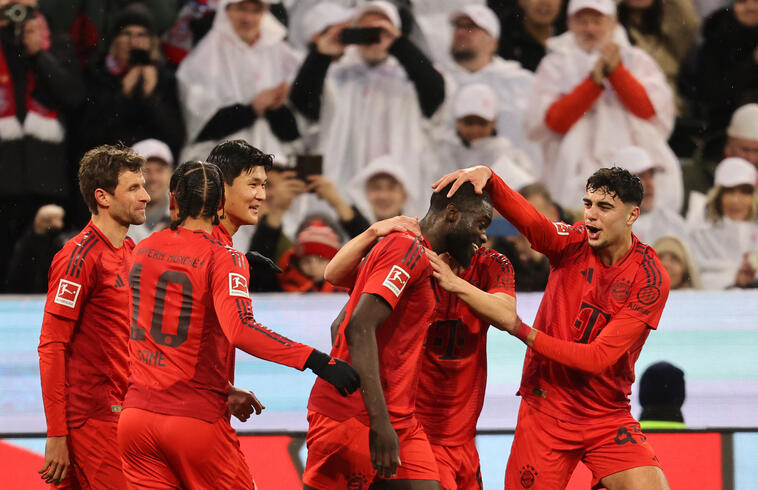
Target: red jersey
(582, 296)
(223, 236)
(454, 371)
(86, 329)
(398, 270)
(190, 306)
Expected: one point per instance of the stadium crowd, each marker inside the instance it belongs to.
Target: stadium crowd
(360, 128)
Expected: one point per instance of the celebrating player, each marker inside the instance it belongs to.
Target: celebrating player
(355, 441)
(606, 292)
(190, 302)
(83, 345)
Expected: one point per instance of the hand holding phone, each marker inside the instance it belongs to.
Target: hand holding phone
(139, 57)
(361, 35)
(307, 165)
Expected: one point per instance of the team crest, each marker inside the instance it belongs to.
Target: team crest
(648, 295)
(396, 280)
(621, 290)
(67, 293)
(357, 481)
(238, 285)
(528, 476)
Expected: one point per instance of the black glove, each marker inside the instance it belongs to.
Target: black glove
(255, 257)
(336, 372)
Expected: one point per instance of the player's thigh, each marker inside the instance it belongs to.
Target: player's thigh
(447, 465)
(205, 454)
(143, 462)
(96, 455)
(617, 446)
(405, 485)
(639, 478)
(418, 461)
(544, 452)
(469, 471)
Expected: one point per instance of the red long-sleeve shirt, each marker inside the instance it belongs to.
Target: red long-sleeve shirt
(593, 319)
(566, 111)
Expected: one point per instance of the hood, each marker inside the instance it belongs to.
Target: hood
(272, 31)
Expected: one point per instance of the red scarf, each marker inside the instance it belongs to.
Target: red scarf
(40, 121)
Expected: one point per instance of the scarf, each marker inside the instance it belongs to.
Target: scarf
(40, 122)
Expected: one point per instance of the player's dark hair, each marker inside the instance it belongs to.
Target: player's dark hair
(464, 198)
(618, 182)
(100, 167)
(198, 188)
(236, 156)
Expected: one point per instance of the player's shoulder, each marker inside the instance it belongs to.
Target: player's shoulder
(489, 256)
(406, 246)
(222, 251)
(651, 272)
(79, 252)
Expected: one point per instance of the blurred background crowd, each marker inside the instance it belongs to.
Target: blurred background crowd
(365, 104)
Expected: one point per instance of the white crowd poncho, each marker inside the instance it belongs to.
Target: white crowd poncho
(368, 112)
(718, 249)
(223, 70)
(512, 84)
(591, 142)
(453, 155)
(659, 222)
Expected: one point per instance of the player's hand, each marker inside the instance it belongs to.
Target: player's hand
(478, 175)
(242, 403)
(445, 270)
(56, 460)
(384, 446)
(397, 223)
(336, 372)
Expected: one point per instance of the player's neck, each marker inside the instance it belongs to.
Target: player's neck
(432, 234)
(195, 224)
(615, 252)
(228, 225)
(114, 231)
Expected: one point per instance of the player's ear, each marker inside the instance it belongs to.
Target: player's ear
(632, 216)
(452, 213)
(102, 198)
(173, 207)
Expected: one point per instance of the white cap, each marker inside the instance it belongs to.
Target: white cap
(734, 171)
(153, 148)
(323, 15)
(634, 159)
(744, 123)
(476, 99)
(379, 6)
(481, 15)
(607, 7)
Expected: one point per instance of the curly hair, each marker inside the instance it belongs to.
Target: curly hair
(618, 182)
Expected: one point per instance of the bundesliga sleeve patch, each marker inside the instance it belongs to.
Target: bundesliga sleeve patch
(396, 280)
(68, 293)
(238, 285)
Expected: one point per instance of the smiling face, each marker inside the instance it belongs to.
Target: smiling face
(245, 196)
(468, 233)
(127, 204)
(591, 29)
(608, 220)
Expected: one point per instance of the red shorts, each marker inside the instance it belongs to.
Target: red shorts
(459, 466)
(167, 451)
(95, 457)
(339, 457)
(546, 450)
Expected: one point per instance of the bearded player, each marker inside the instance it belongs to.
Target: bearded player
(605, 294)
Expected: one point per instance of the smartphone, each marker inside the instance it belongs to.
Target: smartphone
(361, 35)
(307, 165)
(139, 57)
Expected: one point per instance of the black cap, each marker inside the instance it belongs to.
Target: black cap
(135, 14)
(662, 384)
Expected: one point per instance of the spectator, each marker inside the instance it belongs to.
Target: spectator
(742, 134)
(190, 25)
(593, 94)
(235, 83)
(656, 218)
(34, 252)
(665, 30)
(676, 258)
(526, 31)
(159, 164)
(39, 83)
(475, 139)
(476, 30)
(662, 395)
(376, 99)
(315, 21)
(724, 238)
(304, 264)
(384, 189)
(131, 94)
(726, 67)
